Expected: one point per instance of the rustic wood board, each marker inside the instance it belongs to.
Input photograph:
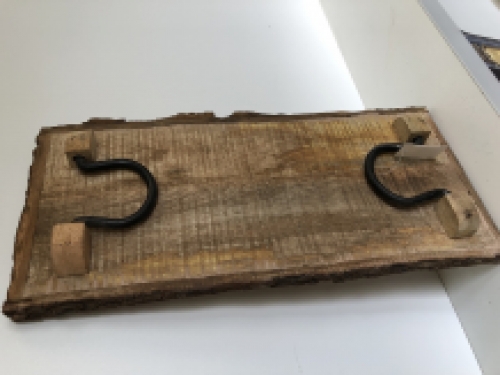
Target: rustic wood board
(244, 201)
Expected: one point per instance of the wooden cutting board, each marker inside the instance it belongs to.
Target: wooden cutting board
(244, 201)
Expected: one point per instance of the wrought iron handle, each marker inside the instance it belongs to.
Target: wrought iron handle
(384, 193)
(88, 166)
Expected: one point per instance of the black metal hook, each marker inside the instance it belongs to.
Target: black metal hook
(387, 195)
(88, 166)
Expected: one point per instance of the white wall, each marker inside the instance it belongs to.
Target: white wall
(480, 17)
(397, 57)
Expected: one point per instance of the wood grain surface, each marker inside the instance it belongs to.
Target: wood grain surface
(244, 201)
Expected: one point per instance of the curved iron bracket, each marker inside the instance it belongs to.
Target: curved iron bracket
(88, 166)
(384, 193)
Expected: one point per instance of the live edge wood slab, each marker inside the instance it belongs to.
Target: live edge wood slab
(245, 201)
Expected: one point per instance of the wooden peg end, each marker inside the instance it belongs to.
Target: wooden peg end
(80, 143)
(458, 215)
(409, 128)
(70, 249)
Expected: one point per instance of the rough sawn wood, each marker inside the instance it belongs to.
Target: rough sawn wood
(244, 201)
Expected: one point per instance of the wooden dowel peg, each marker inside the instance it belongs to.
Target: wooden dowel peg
(80, 143)
(458, 215)
(70, 249)
(407, 129)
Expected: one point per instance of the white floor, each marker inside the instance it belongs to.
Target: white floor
(65, 61)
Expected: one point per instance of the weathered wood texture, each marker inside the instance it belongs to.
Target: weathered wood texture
(488, 49)
(244, 201)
